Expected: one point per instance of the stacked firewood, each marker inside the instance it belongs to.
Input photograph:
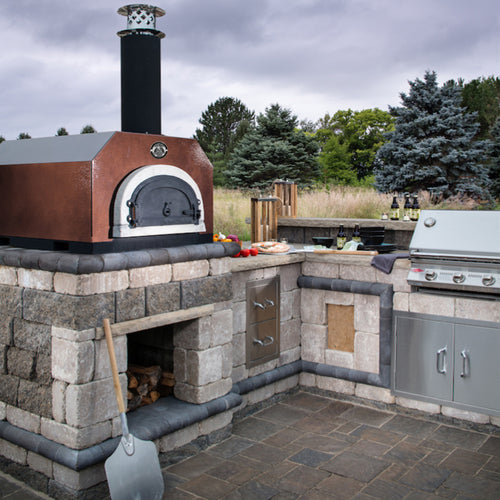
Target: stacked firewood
(146, 384)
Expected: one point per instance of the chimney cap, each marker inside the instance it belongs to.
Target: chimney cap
(141, 18)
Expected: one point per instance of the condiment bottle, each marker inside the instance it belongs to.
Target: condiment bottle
(407, 208)
(394, 209)
(356, 235)
(415, 209)
(341, 237)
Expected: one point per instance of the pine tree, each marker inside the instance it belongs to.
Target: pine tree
(495, 160)
(224, 123)
(274, 149)
(432, 146)
(61, 131)
(88, 129)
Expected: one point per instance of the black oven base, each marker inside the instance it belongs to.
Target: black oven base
(115, 245)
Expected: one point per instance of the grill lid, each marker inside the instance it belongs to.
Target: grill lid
(458, 234)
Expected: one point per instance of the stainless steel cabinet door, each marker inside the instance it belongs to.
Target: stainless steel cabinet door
(424, 358)
(477, 366)
(263, 321)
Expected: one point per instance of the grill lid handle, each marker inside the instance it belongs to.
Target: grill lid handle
(429, 222)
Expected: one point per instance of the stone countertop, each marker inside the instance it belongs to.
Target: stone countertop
(347, 223)
(260, 261)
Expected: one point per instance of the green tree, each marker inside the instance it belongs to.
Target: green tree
(88, 129)
(274, 149)
(482, 95)
(432, 146)
(2, 138)
(335, 161)
(224, 123)
(23, 135)
(495, 160)
(62, 131)
(353, 137)
(308, 126)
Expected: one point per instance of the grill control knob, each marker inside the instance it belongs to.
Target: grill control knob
(458, 278)
(488, 280)
(430, 275)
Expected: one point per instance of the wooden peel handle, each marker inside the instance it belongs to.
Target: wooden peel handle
(114, 366)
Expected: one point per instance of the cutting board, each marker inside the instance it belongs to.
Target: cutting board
(348, 252)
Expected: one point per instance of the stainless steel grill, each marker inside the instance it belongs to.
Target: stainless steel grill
(456, 251)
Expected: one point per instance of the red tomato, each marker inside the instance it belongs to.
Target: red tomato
(237, 255)
(254, 251)
(245, 252)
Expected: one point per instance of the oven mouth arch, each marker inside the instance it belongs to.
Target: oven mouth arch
(123, 223)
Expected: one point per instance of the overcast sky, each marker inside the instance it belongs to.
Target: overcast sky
(60, 59)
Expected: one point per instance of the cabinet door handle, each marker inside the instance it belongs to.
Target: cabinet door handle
(441, 360)
(265, 342)
(267, 303)
(465, 364)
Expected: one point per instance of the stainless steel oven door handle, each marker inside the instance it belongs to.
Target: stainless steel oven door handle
(441, 360)
(265, 342)
(465, 364)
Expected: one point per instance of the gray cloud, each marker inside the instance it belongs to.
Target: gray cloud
(315, 56)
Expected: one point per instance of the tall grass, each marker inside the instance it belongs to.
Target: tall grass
(232, 207)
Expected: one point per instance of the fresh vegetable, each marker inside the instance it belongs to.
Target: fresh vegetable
(245, 252)
(254, 251)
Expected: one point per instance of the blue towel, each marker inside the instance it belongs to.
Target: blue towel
(385, 262)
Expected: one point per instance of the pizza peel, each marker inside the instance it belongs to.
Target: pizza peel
(133, 470)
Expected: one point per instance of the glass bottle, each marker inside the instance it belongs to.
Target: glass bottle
(356, 234)
(394, 209)
(415, 209)
(407, 208)
(341, 237)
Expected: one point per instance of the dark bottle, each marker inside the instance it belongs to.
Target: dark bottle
(341, 238)
(356, 235)
(394, 209)
(415, 209)
(407, 208)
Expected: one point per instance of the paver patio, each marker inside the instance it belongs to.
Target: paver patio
(311, 446)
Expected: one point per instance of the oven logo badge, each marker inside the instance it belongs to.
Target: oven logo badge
(159, 150)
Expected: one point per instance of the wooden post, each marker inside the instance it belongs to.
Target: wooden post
(264, 219)
(286, 192)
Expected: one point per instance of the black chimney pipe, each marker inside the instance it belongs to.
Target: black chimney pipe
(141, 69)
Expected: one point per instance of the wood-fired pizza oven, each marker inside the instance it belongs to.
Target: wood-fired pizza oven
(94, 193)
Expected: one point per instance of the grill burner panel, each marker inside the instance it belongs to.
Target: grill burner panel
(455, 275)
